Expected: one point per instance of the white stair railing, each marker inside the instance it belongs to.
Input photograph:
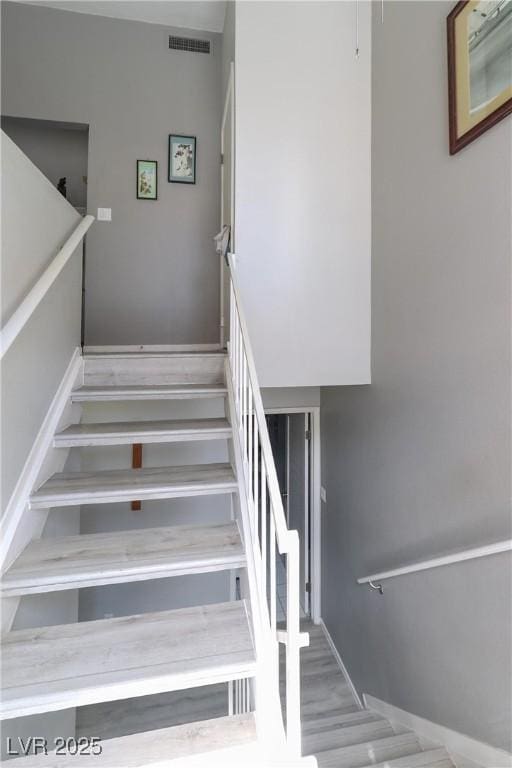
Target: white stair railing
(270, 535)
(34, 297)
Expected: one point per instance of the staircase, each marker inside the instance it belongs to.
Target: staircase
(234, 642)
(342, 735)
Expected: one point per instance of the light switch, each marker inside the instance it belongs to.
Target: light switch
(104, 214)
(323, 494)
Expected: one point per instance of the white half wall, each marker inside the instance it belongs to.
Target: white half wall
(303, 189)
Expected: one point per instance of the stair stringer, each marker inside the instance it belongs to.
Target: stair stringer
(20, 524)
(269, 720)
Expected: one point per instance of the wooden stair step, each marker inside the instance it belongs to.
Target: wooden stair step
(159, 746)
(357, 733)
(157, 368)
(128, 432)
(70, 562)
(430, 758)
(117, 485)
(330, 721)
(151, 392)
(58, 667)
(370, 752)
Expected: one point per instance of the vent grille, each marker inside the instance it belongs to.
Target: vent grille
(189, 44)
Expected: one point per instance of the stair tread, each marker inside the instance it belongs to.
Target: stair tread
(364, 753)
(150, 747)
(69, 562)
(72, 488)
(347, 736)
(57, 667)
(430, 758)
(146, 392)
(115, 433)
(321, 723)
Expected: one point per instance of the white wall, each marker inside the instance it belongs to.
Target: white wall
(303, 189)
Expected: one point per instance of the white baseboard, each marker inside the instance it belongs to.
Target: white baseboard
(463, 749)
(151, 348)
(340, 663)
(35, 459)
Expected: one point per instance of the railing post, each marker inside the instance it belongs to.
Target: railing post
(293, 729)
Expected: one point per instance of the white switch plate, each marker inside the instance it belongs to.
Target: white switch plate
(104, 214)
(323, 494)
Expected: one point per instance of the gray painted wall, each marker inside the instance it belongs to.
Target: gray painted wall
(152, 273)
(33, 367)
(419, 462)
(56, 149)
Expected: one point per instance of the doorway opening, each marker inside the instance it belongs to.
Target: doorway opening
(295, 445)
(59, 150)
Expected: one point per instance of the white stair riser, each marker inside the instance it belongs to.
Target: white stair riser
(164, 369)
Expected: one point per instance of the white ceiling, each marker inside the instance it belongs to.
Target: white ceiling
(206, 15)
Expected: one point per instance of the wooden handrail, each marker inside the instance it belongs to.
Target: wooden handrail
(436, 562)
(33, 298)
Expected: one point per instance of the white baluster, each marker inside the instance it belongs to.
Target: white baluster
(249, 469)
(292, 645)
(264, 527)
(256, 482)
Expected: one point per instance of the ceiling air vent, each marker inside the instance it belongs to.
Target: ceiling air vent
(189, 44)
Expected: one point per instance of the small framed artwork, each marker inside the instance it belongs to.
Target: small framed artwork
(147, 179)
(182, 159)
(479, 68)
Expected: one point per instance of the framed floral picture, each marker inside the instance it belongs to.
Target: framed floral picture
(479, 68)
(182, 159)
(147, 179)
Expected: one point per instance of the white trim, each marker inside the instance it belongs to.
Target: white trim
(229, 103)
(341, 665)
(287, 505)
(308, 447)
(436, 562)
(316, 506)
(24, 311)
(151, 348)
(316, 517)
(42, 444)
(460, 746)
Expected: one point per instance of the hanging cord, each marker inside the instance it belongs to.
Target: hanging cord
(357, 29)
